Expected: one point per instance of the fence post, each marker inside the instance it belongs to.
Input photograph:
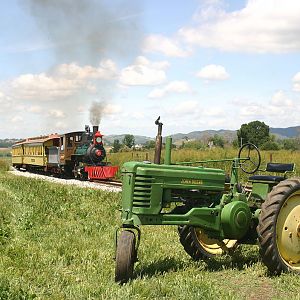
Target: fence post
(271, 157)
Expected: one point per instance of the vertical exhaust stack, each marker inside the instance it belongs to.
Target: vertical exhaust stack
(95, 129)
(158, 142)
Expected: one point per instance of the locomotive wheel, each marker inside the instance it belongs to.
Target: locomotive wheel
(125, 257)
(199, 246)
(279, 228)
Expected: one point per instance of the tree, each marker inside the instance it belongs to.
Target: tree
(255, 132)
(128, 140)
(150, 145)
(218, 141)
(271, 144)
(116, 146)
(291, 144)
(196, 144)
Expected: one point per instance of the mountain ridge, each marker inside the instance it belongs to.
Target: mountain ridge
(229, 135)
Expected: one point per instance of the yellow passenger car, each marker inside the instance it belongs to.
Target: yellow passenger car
(34, 152)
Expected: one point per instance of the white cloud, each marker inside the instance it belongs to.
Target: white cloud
(137, 115)
(280, 99)
(66, 80)
(253, 110)
(82, 109)
(2, 96)
(296, 82)
(144, 72)
(56, 113)
(107, 70)
(16, 119)
(261, 26)
(60, 126)
(49, 98)
(213, 72)
(185, 107)
(213, 112)
(172, 87)
(42, 87)
(34, 109)
(112, 109)
(280, 111)
(265, 111)
(157, 43)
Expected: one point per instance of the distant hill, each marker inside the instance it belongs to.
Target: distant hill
(7, 143)
(289, 132)
(139, 139)
(228, 135)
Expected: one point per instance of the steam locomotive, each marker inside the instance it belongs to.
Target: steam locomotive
(78, 154)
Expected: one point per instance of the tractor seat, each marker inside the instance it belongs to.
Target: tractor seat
(266, 178)
(276, 168)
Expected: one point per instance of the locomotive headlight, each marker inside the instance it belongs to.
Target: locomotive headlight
(98, 139)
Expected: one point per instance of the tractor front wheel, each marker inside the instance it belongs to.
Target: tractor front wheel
(125, 256)
(279, 228)
(200, 246)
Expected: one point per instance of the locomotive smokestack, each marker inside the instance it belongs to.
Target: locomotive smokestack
(95, 128)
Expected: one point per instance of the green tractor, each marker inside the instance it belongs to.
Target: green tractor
(214, 212)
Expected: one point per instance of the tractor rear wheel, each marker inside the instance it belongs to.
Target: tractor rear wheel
(125, 256)
(200, 246)
(279, 228)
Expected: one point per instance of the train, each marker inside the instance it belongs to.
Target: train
(78, 154)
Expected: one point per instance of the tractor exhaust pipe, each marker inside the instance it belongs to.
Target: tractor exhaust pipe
(158, 142)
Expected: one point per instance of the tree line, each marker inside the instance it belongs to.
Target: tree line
(258, 133)
(255, 132)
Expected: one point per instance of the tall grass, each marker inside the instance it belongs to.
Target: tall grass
(4, 164)
(181, 155)
(56, 242)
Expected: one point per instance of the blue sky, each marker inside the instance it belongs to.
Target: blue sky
(199, 64)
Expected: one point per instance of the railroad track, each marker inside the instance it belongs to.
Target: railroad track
(110, 182)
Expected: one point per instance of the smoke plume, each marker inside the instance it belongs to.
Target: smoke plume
(96, 112)
(86, 30)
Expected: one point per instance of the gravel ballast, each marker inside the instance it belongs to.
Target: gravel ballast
(83, 184)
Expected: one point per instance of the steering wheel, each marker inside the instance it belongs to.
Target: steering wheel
(249, 158)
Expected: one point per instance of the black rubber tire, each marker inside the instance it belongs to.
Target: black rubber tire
(125, 256)
(266, 228)
(188, 239)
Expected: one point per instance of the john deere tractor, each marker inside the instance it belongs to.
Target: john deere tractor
(214, 212)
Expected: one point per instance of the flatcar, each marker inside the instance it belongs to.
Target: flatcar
(78, 154)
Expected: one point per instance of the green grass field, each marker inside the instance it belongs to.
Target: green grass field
(56, 242)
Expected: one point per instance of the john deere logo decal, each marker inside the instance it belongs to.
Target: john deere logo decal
(191, 181)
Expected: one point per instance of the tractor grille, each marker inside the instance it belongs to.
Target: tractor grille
(142, 191)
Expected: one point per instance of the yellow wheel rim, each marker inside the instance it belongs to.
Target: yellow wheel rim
(213, 246)
(288, 231)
